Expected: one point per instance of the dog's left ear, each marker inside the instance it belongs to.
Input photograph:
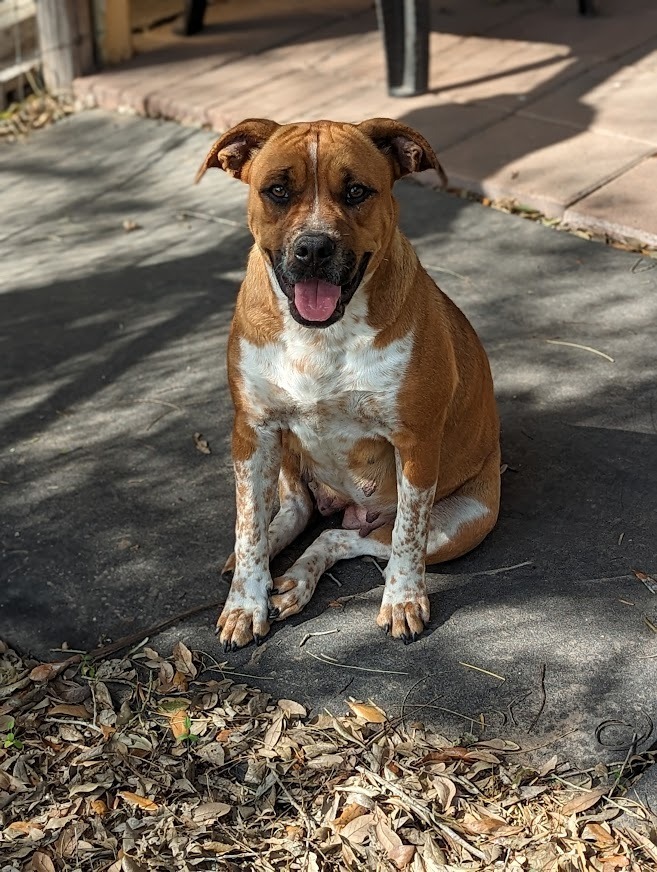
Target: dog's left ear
(408, 150)
(234, 151)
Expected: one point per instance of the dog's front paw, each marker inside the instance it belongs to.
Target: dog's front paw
(405, 608)
(290, 596)
(244, 617)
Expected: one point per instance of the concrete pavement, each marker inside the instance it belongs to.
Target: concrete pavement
(112, 344)
(528, 101)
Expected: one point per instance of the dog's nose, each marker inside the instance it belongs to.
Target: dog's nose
(313, 249)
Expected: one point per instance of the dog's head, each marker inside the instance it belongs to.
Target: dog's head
(320, 206)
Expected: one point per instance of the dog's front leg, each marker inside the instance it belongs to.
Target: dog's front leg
(256, 460)
(405, 607)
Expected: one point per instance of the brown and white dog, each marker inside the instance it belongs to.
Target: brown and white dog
(358, 385)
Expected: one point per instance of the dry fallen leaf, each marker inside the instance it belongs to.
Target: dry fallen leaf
(358, 830)
(348, 814)
(403, 855)
(368, 712)
(201, 443)
(445, 791)
(40, 862)
(24, 827)
(179, 723)
(48, 671)
(549, 766)
(130, 865)
(184, 660)
(649, 580)
(291, 708)
(72, 711)
(209, 812)
(273, 734)
(597, 833)
(179, 682)
(312, 864)
(584, 801)
(615, 861)
(484, 824)
(322, 787)
(217, 847)
(99, 807)
(212, 752)
(140, 801)
(388, 838)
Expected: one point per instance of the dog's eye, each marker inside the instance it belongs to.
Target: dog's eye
(279, 193)
(357, 194)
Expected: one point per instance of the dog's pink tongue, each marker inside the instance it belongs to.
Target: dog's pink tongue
(316, 300)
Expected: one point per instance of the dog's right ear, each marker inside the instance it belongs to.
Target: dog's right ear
(234, 151)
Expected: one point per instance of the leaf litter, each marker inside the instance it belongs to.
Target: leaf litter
(142, 763)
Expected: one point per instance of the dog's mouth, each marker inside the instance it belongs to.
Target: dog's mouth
(316, 302)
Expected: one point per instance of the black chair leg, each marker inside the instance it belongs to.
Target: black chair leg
(192, 20)
(586, 7)
(405, 25)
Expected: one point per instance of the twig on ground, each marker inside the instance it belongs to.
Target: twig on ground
(582, 347)
(421, 811)
(631, 750)
(449, 711)
(125, 641)
(485, 671)
(543, 701)
(205, 216)
(159, 403)
(319, 633)
(650, 624)
(324, 658)
(369, 559)
(505, 568)
(405, 700)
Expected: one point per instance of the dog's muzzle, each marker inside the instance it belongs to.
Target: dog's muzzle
(318, 277)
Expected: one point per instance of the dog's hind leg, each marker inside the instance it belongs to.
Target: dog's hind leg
(457, 524)
(291, 519)
(461, 521)
(296, 507)
(294, 590)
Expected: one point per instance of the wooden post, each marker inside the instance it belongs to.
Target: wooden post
(65, 40)
(117, 38)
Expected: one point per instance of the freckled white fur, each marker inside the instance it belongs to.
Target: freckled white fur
(256, 479)
(449, 515)
(330, 387)
(405, 570)
(290, 520)
(314, 221)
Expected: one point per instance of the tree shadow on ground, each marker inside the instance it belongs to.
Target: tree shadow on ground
(113, 520)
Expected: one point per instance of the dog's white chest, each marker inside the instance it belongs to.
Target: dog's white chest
(331, 388)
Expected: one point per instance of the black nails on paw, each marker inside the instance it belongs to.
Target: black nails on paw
(274, 613)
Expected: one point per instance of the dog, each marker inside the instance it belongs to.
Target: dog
(358, 386)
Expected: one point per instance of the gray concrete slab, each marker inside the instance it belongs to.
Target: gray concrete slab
(112, 348)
